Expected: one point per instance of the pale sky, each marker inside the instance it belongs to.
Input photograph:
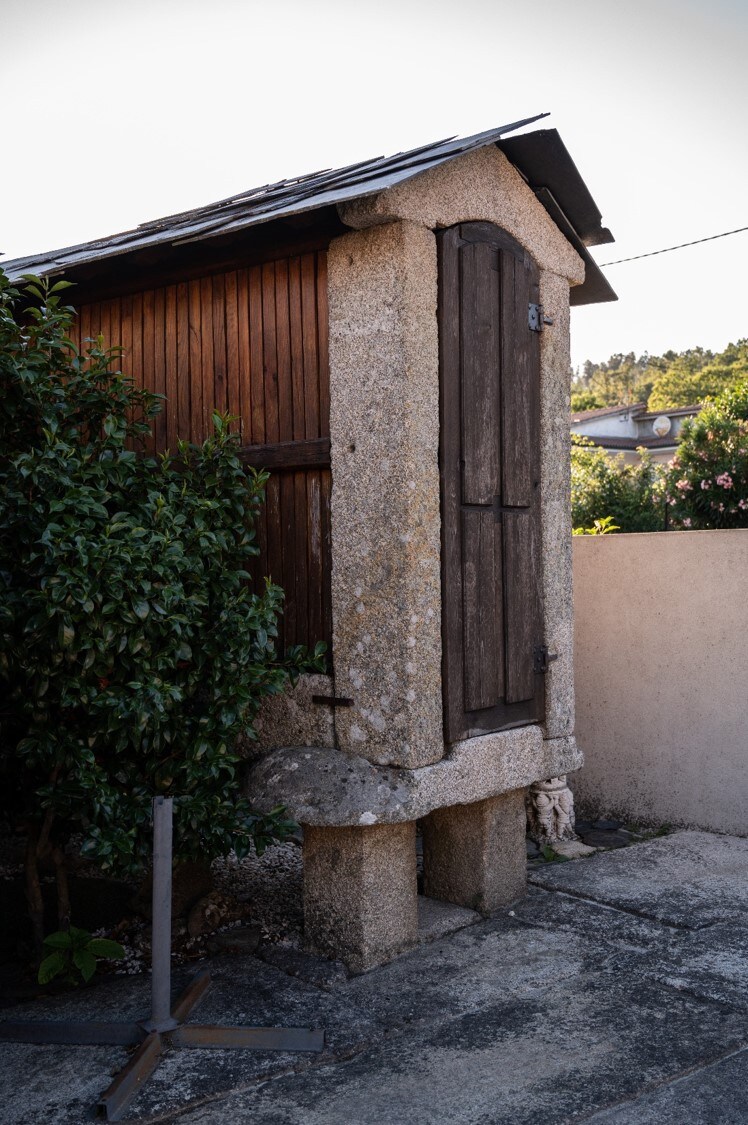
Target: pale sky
(118, 112)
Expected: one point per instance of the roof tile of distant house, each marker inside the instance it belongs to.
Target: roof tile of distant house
(671, 411)
(604, 411)
(668, 442)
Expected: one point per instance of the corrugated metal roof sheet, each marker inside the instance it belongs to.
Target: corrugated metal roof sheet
(540, 156)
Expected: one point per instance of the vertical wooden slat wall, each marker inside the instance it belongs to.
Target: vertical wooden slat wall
(252, 342)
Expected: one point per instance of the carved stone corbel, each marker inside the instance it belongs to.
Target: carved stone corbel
(550, 811)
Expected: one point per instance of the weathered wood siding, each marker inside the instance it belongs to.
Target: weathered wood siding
(252, 342)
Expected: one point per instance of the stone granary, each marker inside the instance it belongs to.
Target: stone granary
(393, 338)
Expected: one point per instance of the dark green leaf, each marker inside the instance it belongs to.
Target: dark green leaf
(51, 967)
(86, 962)
(103, 947)
(59, 940)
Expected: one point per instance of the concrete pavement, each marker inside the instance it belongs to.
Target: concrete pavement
(614, 993)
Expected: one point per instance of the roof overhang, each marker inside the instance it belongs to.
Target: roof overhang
(545, 162)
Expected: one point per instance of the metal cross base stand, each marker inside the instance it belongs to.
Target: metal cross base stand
(166, 1025)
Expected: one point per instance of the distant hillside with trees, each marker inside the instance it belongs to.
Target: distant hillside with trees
(662, 381)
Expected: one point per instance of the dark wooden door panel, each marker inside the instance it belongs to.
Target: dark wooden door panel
(480, 359)
(521, 601)
(517, 449)
(489, 466)
(482, 609)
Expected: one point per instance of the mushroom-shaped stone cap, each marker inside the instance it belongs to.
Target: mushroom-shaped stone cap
(329, 789)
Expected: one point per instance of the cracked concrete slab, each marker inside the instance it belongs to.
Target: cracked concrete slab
(713, 1095)
(688, 879)
(244, 991)
(548, 1054)
(711, 962)
(563, 1008)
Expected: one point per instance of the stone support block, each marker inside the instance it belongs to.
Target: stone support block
(360, 893)
(329, 789)
(326, 788)
(293, 719)
(474, 855)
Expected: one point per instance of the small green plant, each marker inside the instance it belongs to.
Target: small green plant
(600, 527)
(74, 953)
(548, 855)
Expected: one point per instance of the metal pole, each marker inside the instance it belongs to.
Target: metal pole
(161, 1018)
(138, 1069)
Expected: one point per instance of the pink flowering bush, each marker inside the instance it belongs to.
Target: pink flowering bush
(707, 483)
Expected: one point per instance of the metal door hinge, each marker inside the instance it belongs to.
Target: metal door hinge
(542, 658)
(536, 318)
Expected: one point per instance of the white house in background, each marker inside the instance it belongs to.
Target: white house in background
(624, 429)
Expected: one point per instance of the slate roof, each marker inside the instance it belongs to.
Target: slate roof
(672, 412)
(540, 156)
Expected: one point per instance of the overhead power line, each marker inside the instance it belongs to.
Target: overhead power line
(651, 254)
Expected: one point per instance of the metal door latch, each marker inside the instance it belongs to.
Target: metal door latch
(542, 658)
(536, 318)
(332, 700)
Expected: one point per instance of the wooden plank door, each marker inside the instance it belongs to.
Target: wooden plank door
(490, 482)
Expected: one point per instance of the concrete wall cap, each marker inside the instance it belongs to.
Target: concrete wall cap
(327, 788)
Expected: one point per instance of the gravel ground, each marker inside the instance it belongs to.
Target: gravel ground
(268, 889)
(271, 885)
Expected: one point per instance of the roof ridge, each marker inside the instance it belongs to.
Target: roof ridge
(600, 411)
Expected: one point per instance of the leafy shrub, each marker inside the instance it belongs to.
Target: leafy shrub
(132, 649)
(585, 400)
(73, 953)
(708, 479)
(632, 496)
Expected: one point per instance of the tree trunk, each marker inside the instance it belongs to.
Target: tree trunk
(63, 889)
(34, 896)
